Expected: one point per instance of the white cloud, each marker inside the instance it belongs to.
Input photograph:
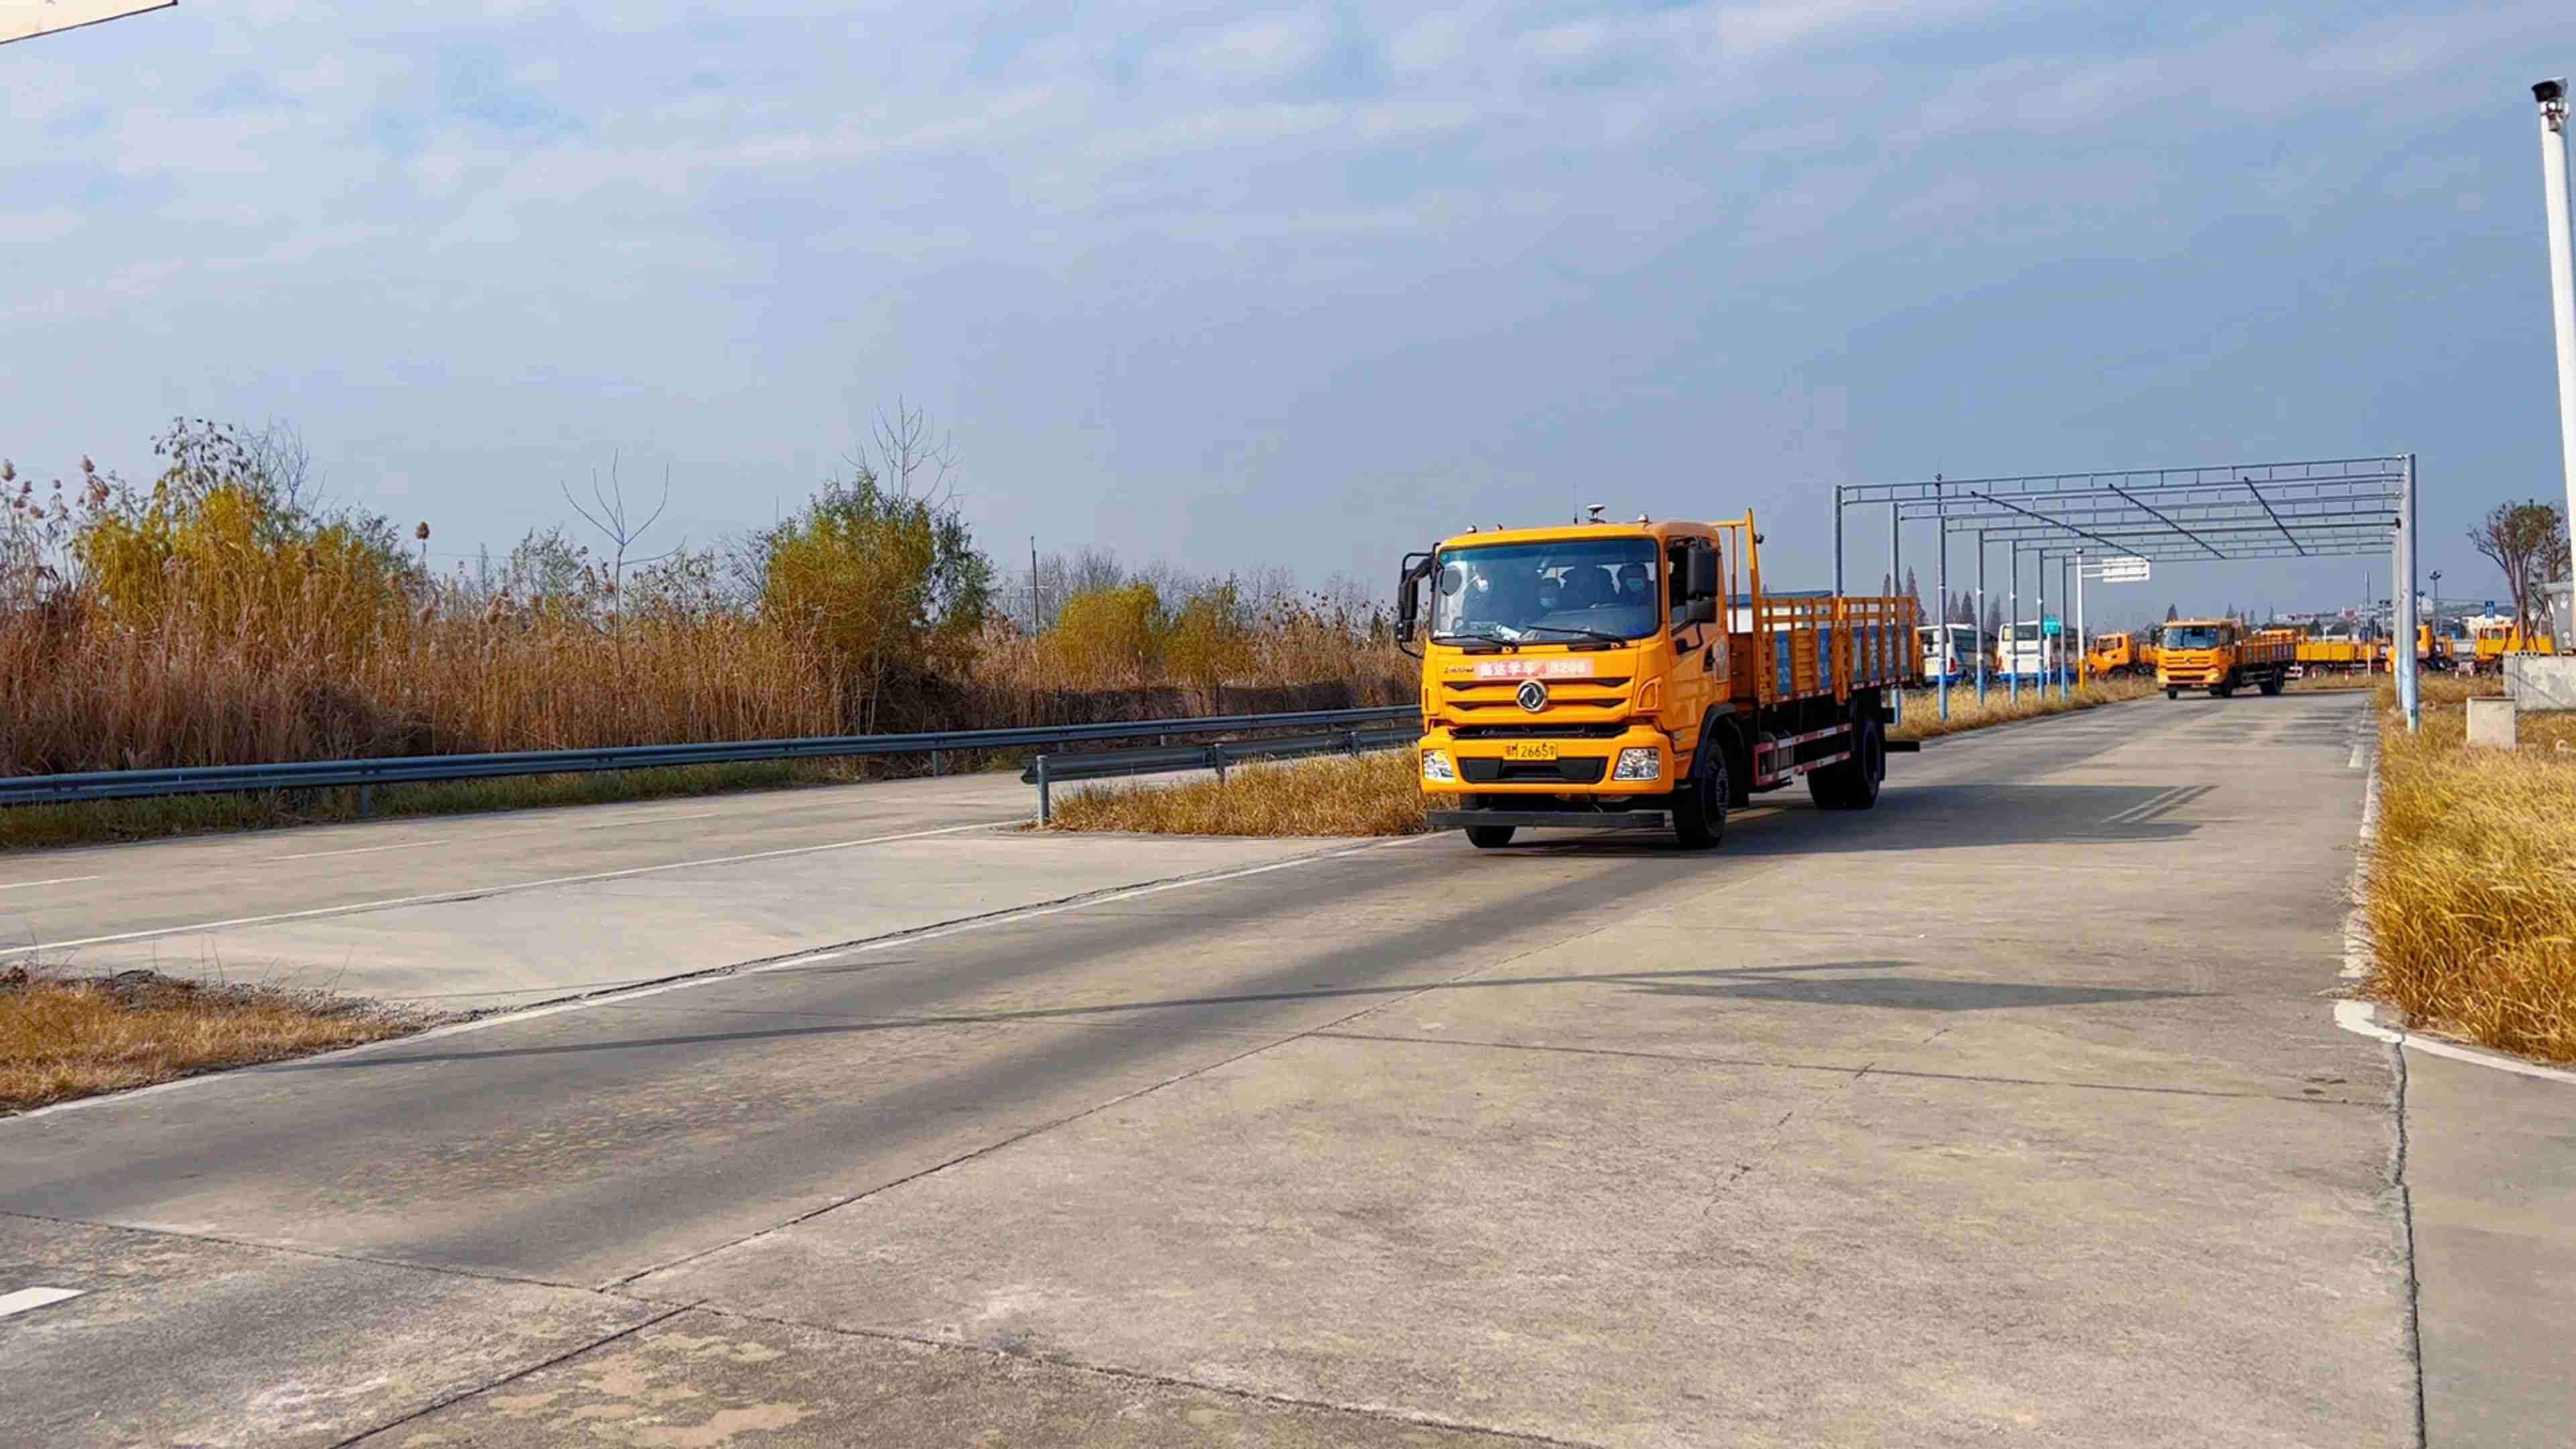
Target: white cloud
(661, 211)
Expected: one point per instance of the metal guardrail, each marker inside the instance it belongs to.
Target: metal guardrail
(1049, 771)
(413, 769)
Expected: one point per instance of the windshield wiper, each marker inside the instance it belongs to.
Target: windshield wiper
(1587, 633)
(1485, 638)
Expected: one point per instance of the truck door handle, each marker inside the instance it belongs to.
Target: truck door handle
(1708, 658)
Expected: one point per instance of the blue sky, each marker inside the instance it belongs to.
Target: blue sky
(1303, 285)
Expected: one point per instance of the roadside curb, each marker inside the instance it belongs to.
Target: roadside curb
(2360, 1017)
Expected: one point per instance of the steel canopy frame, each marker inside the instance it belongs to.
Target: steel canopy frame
(2317, 508)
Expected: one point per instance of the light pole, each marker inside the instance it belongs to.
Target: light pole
(2552, 95)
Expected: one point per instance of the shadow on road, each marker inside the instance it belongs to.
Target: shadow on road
(1922, 817)
(1801, 984)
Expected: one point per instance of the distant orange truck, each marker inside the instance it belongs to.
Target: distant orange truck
(2224, 656)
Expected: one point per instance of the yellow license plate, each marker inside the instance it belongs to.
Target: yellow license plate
(1530, 751)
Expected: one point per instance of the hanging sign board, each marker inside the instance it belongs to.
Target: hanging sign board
(2124, 571)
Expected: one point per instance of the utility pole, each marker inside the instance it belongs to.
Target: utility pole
(1037, 612)
(2552, 95)
(1979, 633)
(1941, 586)
(1895, 581)
(2012, 627)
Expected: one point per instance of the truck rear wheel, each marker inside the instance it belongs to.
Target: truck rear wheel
(2272, 683)
(1489, 837)
(1852, 784)
(1699, 807)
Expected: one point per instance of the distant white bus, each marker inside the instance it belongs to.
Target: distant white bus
(2026, 651)
(1956, 656)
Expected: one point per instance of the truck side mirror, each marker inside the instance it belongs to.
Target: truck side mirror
(1699, 577)
(1408, 594)
(1699, 611)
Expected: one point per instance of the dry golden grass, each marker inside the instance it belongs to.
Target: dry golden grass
(1372, 794)
(61, 1039)
(2472, 882)
(1922, 707)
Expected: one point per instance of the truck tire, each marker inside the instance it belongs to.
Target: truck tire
(1489, 837)
(2172, 693)
(1699, 807)
(2272, 683)
(1853, 783)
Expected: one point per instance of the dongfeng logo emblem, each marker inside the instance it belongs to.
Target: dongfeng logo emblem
(1533, 695)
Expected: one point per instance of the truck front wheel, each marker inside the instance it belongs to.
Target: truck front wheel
(1489, 837)
(1699, 807)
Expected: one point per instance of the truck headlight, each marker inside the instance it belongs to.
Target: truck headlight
(1639, 764)
(1436, 766)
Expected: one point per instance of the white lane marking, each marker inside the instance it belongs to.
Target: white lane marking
(26, 1298)
(708, 977)
(2359, 757)
(471, 892)
(647, 820)
(359, 850)
(23, 885)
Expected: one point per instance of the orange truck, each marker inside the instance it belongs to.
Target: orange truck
(1641, 677)
(2334, 655)
(2495, 641)
(2223, 656)
(2118, 656)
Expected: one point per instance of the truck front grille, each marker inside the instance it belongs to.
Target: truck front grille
(1610, 731)
(1574, 770)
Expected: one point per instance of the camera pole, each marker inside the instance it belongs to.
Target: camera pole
(2552, 95)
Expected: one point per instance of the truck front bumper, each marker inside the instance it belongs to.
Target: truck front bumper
(1583, 768)
(1554, 819)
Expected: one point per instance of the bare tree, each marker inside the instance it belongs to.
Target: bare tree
(907, 460)
(617, 525)
(2528, 541)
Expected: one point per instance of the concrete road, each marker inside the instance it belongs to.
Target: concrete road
(2011, 1110)
(491, 911)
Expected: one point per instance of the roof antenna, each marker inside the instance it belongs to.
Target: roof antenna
(1595, 510)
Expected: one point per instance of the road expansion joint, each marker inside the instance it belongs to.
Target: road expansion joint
(504, 1380)
(2405, 1205)
(1070, 1364)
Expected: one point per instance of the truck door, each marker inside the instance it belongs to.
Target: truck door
(1699, 650)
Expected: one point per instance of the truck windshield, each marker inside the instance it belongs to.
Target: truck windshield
(1550, 592)
(2203, 636)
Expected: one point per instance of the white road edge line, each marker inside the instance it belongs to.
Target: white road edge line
(648, 820)
(355, 850)
(466, 893)
(27, 1298)
(811, 958)
(23, 885)
(2361, 1018)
